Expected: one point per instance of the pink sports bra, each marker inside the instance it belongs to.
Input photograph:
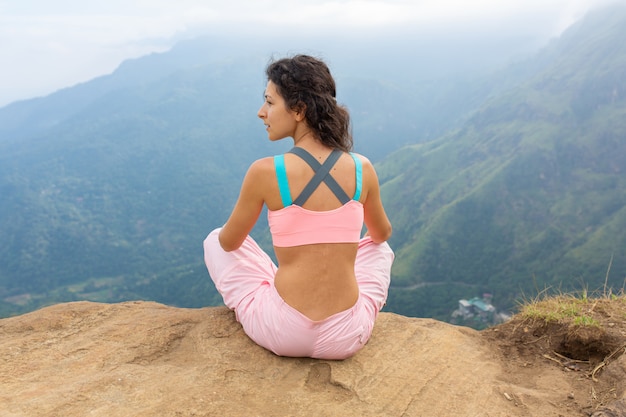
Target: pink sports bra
(294, 225)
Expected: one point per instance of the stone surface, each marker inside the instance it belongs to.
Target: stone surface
(146, 359)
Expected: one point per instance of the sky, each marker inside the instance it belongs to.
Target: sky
(48, 45)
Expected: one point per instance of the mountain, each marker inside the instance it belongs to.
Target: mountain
(29, 117)
(126, 188)
(109, 187)
(529, 194)
(497, 179)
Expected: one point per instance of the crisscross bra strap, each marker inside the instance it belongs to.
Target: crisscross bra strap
(358, 176)
(321, 174)
(283, 183)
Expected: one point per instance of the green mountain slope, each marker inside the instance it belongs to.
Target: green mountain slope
(529, 193)
(122, 194)
(109, 188)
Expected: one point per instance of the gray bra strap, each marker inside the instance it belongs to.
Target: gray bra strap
(321, 174)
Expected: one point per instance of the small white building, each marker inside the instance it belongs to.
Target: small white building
(477, 309)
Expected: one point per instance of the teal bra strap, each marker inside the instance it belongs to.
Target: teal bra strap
(359, 176)
(283, 184)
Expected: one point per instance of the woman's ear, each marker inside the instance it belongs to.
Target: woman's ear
(300, 112)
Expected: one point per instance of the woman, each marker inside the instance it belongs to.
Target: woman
(322, 300)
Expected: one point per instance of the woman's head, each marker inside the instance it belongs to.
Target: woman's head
(306, 85)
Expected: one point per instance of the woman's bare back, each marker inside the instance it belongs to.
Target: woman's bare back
(317, 280)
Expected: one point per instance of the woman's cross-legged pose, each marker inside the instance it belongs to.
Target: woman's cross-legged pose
(322, 299)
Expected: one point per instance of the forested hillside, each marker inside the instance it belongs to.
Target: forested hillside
(528, 194)
(495, 181)
(109, 187)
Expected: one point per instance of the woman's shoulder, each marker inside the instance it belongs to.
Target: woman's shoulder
(365, 162)
(262, 165)
(362, 157)
(260, 178)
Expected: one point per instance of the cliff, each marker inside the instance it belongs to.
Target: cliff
(147, 359)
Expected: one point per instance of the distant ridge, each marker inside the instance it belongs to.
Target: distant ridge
(498, 182)
(530, 192)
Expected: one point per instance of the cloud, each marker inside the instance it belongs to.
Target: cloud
(47, 45)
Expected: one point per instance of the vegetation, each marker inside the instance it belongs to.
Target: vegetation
(568, 308)
(586, 328)
(494, 184)
(530, 191)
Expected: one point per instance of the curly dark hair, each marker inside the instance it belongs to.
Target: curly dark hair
(305, 82)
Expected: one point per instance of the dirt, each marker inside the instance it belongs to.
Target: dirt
(589, 358)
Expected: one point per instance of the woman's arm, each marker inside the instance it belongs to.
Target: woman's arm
(376, 220)
(247, 208)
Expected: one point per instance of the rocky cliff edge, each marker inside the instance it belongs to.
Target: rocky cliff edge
(147, 359)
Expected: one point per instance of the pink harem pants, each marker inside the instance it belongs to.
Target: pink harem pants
(245, 279)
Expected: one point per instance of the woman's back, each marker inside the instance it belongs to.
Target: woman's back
(317, 278)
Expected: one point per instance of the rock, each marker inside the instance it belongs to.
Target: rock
(147, 359)
(616, 409)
